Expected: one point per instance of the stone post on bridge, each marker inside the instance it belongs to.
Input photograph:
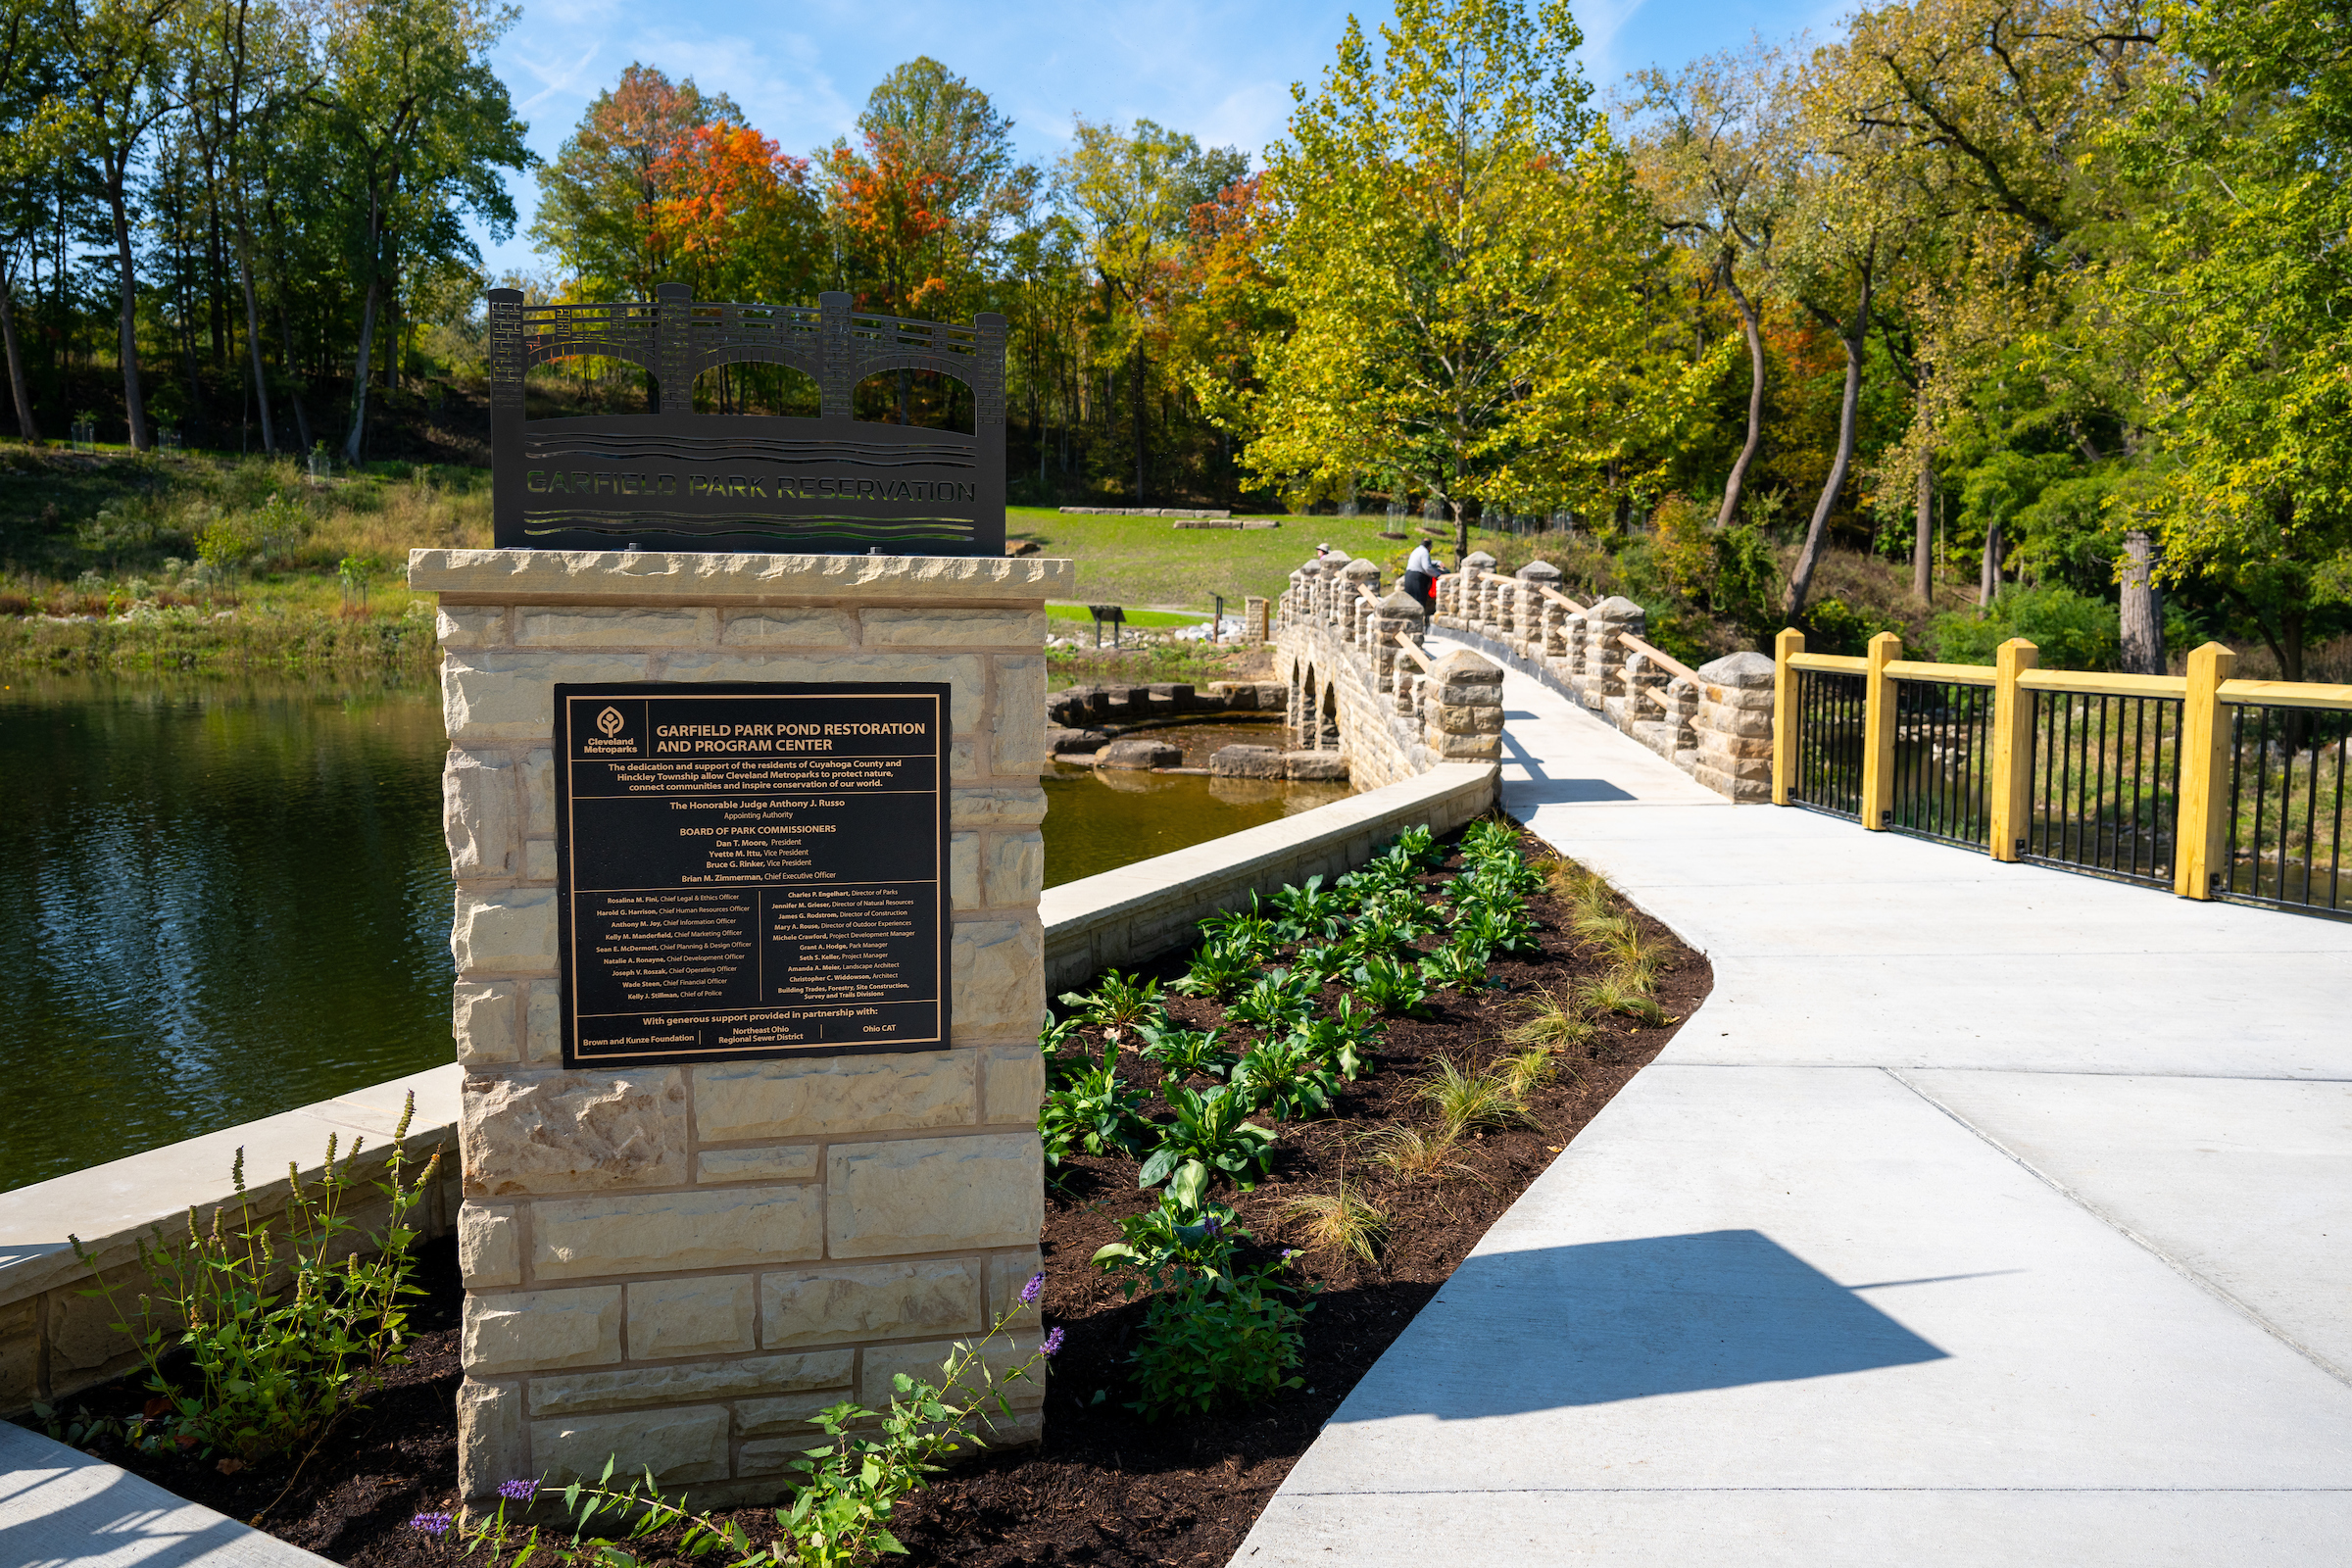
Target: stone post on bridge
(1401, 611)
(1733, 727)
(1535, 609)
(1603, 672)
(1357, 578)
(685, 1231)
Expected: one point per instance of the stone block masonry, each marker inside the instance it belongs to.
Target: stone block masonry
(677, 1266)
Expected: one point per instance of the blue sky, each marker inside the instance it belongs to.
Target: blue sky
(1219, 69)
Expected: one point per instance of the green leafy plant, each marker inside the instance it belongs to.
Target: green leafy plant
(1392, 988)
(1485, 931)
(286, 1325)
(1183, 1052)
(1309, 914)
(1249, 931)
(1464, 1099)
(1341, 1040)
(1464, 968)
(1209, 1128)
(1323, 963)
(1489, 838)
(1206, 1345)
(1379, 934)
(1118, 1002)
(1218, 971)
(843, 1489)
(1288, 1078)
(1096, 1114)
(1343, 1221)
(1183, 1231)
(1279, 1002)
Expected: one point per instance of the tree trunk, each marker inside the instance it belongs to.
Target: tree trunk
(2143, 606)
(359, 379)
(1988, 575)
(133, 408)
(1922, 533)
(253, 338)
(285, 347)
(1736, 487)
(1850, 408)
(1138, 400)
(16, 363)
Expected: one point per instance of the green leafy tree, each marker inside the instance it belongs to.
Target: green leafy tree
(1470, 273)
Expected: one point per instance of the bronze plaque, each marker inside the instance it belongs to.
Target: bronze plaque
(750, 871)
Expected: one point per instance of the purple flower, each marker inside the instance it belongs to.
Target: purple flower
(432, 1524)
(517, 1491)
(1213, 1225)
(1037, 1283)
(1052, 1341)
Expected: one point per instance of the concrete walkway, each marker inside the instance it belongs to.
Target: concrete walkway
(1983, 1214)
(59, 1508)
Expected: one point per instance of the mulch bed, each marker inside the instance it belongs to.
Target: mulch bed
(1105, 1488)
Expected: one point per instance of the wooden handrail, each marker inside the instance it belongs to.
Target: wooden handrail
(2286, 693)
(1549, 592)
(1941, 674)
(1656, 658)
(1413, 648)
(2102, 685)
(1830, 663)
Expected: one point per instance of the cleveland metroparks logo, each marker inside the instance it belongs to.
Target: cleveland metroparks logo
(608, 723)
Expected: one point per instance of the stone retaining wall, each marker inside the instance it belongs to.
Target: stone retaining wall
(1715, 722)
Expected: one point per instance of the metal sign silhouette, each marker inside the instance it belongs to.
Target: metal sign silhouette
(738, 482)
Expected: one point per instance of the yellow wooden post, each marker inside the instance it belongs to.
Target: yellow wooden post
(1878, 732)
(1784, 714)
(2009, 781)
(2199, 840)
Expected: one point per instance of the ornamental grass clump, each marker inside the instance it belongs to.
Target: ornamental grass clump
(1465, 1100)
(1415, 1155)
(1342, 1222)
(1550, 1020)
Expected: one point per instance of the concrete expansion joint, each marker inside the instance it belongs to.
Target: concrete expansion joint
(2139, 1238)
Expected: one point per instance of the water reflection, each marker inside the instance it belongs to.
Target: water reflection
(217, 901)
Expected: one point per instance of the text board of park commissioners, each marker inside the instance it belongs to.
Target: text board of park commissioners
(750, 871)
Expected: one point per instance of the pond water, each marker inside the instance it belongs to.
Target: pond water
(222, 898)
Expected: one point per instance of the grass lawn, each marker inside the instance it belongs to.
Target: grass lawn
(1135, 617)
(1146, 560)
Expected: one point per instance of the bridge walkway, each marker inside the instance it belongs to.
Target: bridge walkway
(1983, 1213)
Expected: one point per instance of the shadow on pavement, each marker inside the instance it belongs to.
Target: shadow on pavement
(1606, 1321)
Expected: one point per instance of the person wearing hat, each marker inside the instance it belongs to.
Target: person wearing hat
(1322, 552)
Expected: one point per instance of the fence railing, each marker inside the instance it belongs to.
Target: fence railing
(2213, 787)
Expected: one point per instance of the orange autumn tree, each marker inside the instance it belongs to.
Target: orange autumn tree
(737, 215)
(892, 205)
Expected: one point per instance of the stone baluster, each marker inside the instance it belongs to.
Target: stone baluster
(1357, 578)
(1604, 655)
(1681, 711)
(1401, 611)
(1642, 676)
(1732, 727)
(1478, 569)
(1533, 624)
(1464, 722)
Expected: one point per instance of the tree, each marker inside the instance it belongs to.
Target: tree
(1716, 157)
(1470, 271)
(26, 67)
(2242, 303)
(1131, 194)
(737, 214)
(932, 190)
(424, 122)
(117, 56)
(598, 197)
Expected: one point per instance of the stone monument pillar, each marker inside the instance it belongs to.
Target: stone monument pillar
(674, 1266)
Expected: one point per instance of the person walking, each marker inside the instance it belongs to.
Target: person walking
(1421, 574)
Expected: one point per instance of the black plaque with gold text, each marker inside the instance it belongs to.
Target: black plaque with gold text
(750, 871)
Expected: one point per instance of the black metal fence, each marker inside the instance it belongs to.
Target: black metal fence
(1829, 742)
(1943, 754)
(2106, 784)
(2286, 808)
